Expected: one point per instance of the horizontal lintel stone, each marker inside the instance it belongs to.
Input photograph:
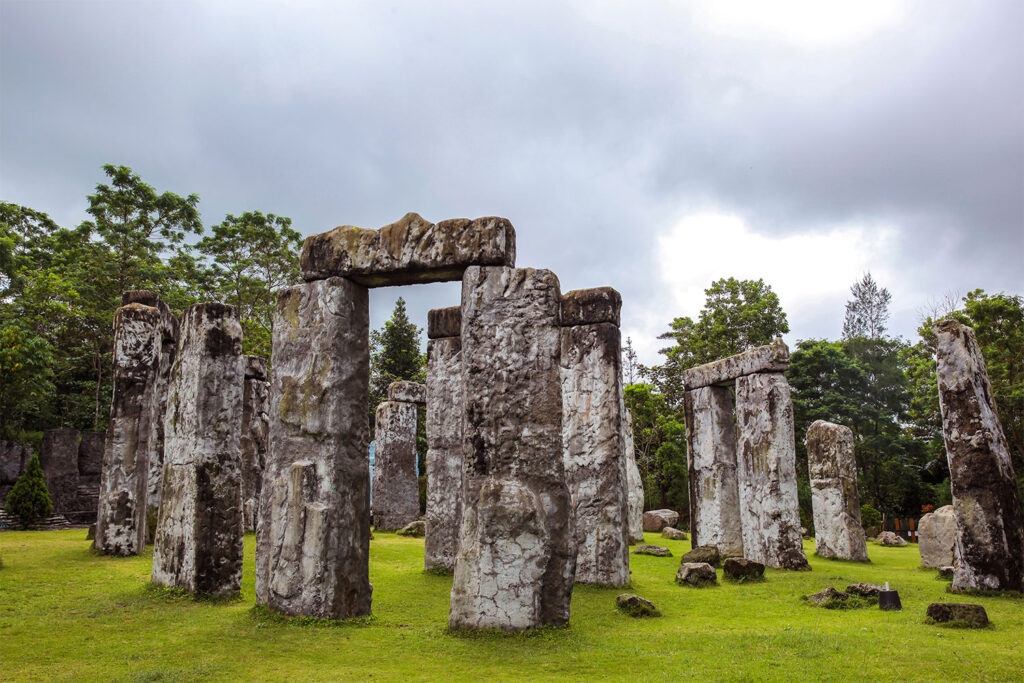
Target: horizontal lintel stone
(407, 392)
(771, 358)
(444, 322)
(591, 306)
(409, 251)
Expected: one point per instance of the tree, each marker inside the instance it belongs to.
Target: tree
(395, 355)
(29, 501)
(659, 438)
(868, 310)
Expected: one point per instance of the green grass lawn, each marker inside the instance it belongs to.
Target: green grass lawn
(68, 614)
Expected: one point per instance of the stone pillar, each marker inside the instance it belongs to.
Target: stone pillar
(766, 471)
(711, 459)
(592, 439)
(198, 545)
(833, 472)
(313, 536)
(633, 480)
(58, 454)
(255, 428)
(396, 493)
(444, 438)
(121, 520)
(990, 536)
(516, 561)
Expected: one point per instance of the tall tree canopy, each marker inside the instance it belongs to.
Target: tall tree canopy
(868, 311)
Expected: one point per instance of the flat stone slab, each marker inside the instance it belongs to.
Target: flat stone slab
(591, 306)
(704, 553)
(444, 322)
(771, 358)
(407, 392)
(655, 550)
(696, 574)
(635, 606)
(408, 251)
(961, 614)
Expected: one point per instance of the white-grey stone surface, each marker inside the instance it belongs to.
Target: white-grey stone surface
(444, 452)
(396, 493)
(633, 480)
(255, 435)
(409, 392)
(836, 504)
(771, 358)
(936, 538)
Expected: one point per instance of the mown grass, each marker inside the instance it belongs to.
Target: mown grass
(69, 614)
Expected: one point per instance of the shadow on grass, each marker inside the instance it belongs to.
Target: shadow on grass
(264, 616)
(169, 594)
(553, 634)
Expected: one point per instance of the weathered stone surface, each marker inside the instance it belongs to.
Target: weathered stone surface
(591, 306)
(594, 451)
(444, 452)
(696, 574)
(90, 533)
(444, 322)
(961, 614)
(134, 410)
(656, 520)
(635, 606)
(990, 533)
(409, 251)
(711, 460)
(704, 553)
(90, 453)
(947, 572)
(634, 481)
(198, 544)
(169, 325)
(771, 358)
(673, 534)
(834, 499)
(517, 550)
(742, 569)
(396, 493)
(766, 471)
(415, 529)
(936, 537)
(828, 597)
(13, 458)
(865, 590)
(409, 392)
(313, 537)
(255, 435)
(58, 454)
(656, 550)
(891, 539)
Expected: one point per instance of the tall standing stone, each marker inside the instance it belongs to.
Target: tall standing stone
(444, 440)
(198, 544)
(766, 471)
(711, 453)
(58, 454)
(516, 561)
(396, 494)
(833, 473)
(255, 432)
(593, 446)
(124, 484)
(990, 534)
(633, 480)
(313, 538)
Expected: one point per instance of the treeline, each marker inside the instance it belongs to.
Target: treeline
(882, 387)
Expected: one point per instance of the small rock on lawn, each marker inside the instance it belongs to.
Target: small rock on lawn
(635, 606)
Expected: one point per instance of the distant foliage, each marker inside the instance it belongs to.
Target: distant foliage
(29, 501)
(868, 311)
(869, 516)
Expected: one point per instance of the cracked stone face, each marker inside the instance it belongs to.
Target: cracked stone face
(936, 538)
(444, 322)
(444, 452)
(396, 492)
(766, 472)
(634, 481)
(255, 435)
(408, 251)
(594, 451)
(517, 554)
(313, 538)
(198, 545)
(990, 534)
(591, 307)
(711, 455)
(833, 472)
(771, 358)
(134, 410)
(408, 392)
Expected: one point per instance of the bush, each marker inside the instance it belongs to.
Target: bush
(29, 501)
(869, 516)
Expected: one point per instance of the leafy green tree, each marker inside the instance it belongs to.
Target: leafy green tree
(868, 311)
(26, 376)
(29, 501)
(659, 438)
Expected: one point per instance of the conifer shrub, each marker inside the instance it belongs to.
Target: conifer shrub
(29, 501)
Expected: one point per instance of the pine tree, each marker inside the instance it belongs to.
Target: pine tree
(395, 355)
(29, 501)
(630, 364)
(868, 310)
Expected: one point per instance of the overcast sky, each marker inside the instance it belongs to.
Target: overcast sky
(650, 146)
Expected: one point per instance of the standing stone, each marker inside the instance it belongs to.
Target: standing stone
(396, 493)
(593, 446)
(634, 481)
(990, 534)
(444, 451)
(516, 561)
(711, 452)
(766, 471)
(255, 428)
(124, 484)
(936, 538)
(58, 455)
(833, 473)
(313, 537)
(198, 544)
